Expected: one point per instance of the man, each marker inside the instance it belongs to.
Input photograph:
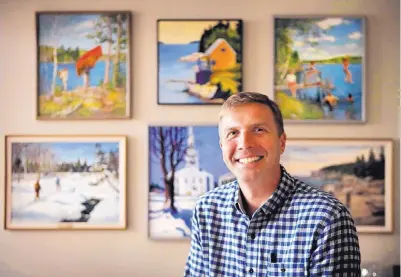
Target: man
(266, 223)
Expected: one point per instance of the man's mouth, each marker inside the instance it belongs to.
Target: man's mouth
(249, 160)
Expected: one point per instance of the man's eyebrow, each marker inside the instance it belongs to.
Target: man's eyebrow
(259, 124)
(228, 128)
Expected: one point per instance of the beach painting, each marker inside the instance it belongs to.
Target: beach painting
(65, 182)
(185, 162)
(199, 61)
(319, 69)
(358, 172)
(83, 68)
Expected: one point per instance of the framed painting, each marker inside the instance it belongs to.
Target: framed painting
(184, 163)
(83, 65)
(199, 61)
(65, 182)
(319, 69)
(358, 172)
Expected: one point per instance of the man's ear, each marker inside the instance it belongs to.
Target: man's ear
(283, 140)
(220, 143)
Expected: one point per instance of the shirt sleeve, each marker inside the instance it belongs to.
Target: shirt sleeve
(337, 251)
(194, 265)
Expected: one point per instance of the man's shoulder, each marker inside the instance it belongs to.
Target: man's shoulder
(220, 195)
(310, 198)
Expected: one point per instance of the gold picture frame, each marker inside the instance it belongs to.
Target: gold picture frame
(55, 182)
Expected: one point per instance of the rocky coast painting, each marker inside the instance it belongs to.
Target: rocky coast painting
(358, 172)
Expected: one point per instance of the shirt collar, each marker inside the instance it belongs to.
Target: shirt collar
(275, 201)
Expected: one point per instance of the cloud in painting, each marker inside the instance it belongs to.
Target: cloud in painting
(326, 24)
(355, 35)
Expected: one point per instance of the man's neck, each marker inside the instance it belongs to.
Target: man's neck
(256, 193)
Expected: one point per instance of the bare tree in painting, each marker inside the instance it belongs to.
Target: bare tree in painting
(113, 162)
(168, 145)
(38, 157)
(17, 156)
(119, 22)
(100, 154)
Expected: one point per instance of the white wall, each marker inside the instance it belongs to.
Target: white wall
(130, 253)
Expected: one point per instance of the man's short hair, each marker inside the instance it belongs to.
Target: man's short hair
(254, 97)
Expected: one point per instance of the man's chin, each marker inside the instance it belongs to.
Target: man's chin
(247, 178)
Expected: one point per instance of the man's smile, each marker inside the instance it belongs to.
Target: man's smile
(249, 159)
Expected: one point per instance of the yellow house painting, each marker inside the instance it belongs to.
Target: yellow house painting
(200, 61)
(221, 55)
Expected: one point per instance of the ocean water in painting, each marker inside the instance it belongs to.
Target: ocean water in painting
(170, 68)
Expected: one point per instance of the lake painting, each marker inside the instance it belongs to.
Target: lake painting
(199, 61)
(65, 182)
(83, 65)
(185, 162)
(319, 69)
(358, 172)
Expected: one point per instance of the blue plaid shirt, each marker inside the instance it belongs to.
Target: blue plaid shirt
(299, 231)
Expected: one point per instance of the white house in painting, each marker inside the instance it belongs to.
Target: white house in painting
(191, 180)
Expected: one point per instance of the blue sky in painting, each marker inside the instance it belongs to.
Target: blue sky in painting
(71, 152)
(339, 36)
(302, 160)
(69, 30)
(210, 157)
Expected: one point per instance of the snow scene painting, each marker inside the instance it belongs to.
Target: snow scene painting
(357, 172)
(185, 162)
(199, 61)
(83, 65)
(65, 182)
(320, 68)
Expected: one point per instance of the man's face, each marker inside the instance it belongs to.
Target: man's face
(250, 142)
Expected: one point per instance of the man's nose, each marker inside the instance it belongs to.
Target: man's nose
(245, 141)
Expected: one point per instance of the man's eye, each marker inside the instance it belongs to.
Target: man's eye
(231, 134)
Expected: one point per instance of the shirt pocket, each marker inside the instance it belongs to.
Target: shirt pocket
(286, 269)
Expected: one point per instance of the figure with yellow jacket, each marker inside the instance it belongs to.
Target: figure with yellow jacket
(37, 189)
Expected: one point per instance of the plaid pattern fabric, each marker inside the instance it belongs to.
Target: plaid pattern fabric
(299, 231)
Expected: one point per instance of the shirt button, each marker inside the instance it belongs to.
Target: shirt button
(253, 236)
(251, 270)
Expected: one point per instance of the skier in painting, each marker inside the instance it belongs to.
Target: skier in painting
(58, 186)
(37, 188)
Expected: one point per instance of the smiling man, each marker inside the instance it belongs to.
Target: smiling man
(267, 223)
